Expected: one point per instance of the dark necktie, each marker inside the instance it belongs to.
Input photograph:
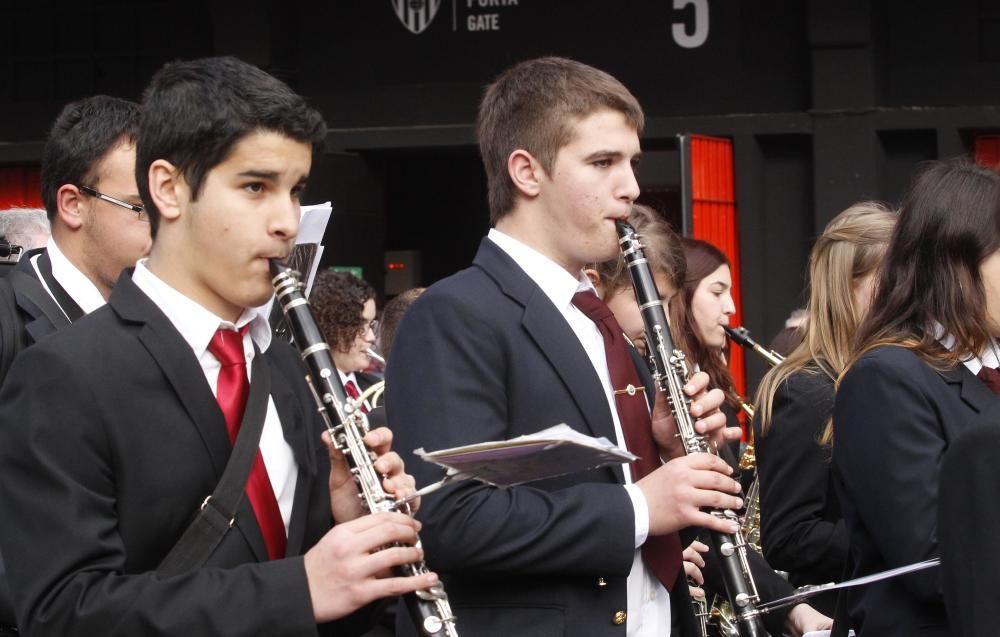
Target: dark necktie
(233, 389)
(353, 392)
(991, 377)
(662, 553)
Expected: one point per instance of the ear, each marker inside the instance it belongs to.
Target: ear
(70, 206)
(167, 189)
(525, 171)
(595, 279)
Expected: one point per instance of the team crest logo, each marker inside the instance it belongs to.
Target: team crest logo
(416, 15)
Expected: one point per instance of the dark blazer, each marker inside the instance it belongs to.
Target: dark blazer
(969, 519)
(36, 314)
(895, 418)
(32, 315)
(484, 355)
(110, 439)
(802, 529)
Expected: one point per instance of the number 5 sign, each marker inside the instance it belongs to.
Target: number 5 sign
(700, 34)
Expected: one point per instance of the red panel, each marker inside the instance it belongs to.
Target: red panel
(19, 187)
(714, 220)
(988, 150)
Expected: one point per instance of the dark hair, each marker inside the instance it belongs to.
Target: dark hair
(392, 314)
(195, 112)
(948, 224)
(337, 300)
(83, 134)
(702, 258)
(533, 105)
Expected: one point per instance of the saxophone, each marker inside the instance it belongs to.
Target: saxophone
(670, 374)
(748, 461)
(721, 613)
(347, 426)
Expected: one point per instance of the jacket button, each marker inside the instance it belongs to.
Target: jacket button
(601, 581)
(619, 618)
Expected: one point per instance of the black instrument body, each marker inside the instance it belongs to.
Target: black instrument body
(670, 374)
(347, 426)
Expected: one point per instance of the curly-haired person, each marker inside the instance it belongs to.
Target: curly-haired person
(344, 306)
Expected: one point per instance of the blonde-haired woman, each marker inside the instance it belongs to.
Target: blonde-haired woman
(802, 530)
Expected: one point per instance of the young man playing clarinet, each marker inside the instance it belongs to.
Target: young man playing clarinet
(507, 347)
(114, 430)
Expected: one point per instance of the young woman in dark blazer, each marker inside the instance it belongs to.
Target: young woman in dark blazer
(802, 530)
(913, 388)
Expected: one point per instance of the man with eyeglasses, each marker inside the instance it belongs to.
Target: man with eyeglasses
(98, 228)
(98, 223)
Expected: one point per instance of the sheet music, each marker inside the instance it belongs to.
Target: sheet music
(305, 255)
(548, 453)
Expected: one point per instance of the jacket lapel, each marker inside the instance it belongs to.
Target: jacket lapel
(972, 391)
(299, 433)
(178, 364)
(34, 301)
(556, 340)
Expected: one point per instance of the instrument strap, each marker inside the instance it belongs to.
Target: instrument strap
(218, 511)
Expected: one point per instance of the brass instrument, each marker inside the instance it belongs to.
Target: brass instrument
(669, 375)
(741, 336)
(748, 460)
(373, 394)
(347, 426)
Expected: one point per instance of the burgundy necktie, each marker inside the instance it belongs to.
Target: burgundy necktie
(353, 392)
(662, 553)
(233, 389)
(991, 377)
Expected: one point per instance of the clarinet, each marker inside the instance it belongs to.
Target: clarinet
(670, 374)
(347, 426)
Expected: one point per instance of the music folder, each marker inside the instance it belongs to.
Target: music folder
(548, 453)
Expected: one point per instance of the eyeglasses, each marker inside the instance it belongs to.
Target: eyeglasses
(139, 210)
(371, 325)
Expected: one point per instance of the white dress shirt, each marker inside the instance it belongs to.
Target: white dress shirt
(197, 326)
(81, 289)
(648, 600)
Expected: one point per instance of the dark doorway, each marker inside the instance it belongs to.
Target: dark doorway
(435, 205)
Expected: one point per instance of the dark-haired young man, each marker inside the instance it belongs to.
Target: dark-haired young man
(98, 225)
(502, 349)
(133, 410)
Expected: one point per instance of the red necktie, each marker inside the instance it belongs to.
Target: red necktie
(662, 553)
(233, 389)
(991, 377)
(353, 392)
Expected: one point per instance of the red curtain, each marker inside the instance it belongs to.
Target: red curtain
(19, 187)
(714, 220)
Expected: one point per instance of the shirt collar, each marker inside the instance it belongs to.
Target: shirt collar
(344, 378)
(988, 358)
(80, 288)
(557, 284)
(196, 324)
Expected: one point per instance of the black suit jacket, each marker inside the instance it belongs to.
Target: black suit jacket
(36, 313)
(484, 355)
(802, 529)
(969, 520)
(110, 439)
(894, 419)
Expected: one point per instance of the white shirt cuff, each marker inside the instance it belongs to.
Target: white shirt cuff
(641, 510)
